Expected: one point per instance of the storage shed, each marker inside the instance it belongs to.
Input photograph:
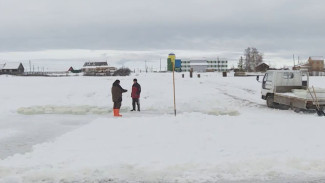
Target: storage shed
(263, 67)
(14, 68)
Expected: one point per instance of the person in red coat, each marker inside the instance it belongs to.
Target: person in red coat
(135, 94)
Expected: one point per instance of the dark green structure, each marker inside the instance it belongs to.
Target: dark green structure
(169, 64)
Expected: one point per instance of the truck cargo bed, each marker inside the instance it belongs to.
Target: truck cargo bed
(301, 98)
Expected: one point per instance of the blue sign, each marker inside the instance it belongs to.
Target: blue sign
(178, 63)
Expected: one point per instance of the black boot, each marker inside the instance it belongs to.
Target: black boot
(133, 106)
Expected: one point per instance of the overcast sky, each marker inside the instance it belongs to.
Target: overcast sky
(130, 31)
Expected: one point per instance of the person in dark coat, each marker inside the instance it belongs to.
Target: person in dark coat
(117, 91)
(136, 90)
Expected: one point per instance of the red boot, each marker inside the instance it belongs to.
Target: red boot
(118, 113)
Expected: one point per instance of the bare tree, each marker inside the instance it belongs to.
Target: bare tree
(240, 63)
(252, 59)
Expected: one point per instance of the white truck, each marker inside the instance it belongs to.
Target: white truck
(290, 88)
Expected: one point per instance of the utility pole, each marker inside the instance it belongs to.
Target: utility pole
(145, 64)
(30, 66)
(174, 86)
(293, 57)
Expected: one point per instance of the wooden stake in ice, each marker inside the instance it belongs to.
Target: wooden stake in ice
(172, 57)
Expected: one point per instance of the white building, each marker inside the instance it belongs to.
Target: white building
(97, 69)
(204, 65)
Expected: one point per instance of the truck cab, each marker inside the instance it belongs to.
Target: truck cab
(282, 81)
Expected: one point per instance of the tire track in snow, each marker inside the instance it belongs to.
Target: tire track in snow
(244, 101)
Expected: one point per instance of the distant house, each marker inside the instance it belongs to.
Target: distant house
(14, 68)
(97, 69)
(1, 66)
(263, 67)
(314, 65)
(302, 67)
(74, 70)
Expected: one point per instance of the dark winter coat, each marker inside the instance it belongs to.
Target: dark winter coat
(117, 91)
(136, 90)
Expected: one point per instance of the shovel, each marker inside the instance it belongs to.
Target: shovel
(319, 111)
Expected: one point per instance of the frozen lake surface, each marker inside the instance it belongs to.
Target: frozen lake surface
(28, 130)
(63, 130)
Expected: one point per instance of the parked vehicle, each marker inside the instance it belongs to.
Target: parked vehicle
(290, 89)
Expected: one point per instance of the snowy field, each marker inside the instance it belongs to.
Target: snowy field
(61, 129)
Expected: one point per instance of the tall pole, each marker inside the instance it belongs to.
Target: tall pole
(171, 60)
(174, 87)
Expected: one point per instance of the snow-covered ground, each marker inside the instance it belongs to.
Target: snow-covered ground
(62, 130)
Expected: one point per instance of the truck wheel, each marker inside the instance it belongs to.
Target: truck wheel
(285, 107)
(270, 101)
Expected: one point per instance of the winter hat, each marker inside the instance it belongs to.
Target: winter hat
(135, 79)
(116, 82)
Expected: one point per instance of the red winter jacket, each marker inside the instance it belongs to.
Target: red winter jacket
(136, 90)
